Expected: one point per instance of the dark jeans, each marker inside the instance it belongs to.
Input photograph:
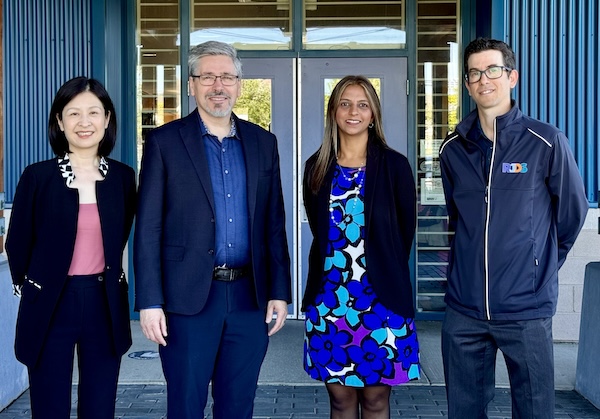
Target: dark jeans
(226, 343)
(469, 348)
(81, 320)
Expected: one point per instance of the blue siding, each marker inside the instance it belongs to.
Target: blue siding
(557, 47)
(48, 42)
(45, 44)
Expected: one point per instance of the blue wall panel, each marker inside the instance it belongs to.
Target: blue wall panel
(557, 47)
(45, 44)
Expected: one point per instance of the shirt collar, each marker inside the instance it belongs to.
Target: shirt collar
(66, 169)
(232, 129)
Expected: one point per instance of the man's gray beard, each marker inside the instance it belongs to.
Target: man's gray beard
(219, 113)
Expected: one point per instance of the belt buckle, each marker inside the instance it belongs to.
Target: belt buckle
(223, 273)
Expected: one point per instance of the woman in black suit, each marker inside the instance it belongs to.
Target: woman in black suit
(70, 221)
(360, 201)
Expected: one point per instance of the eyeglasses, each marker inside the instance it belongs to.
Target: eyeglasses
(493, 72)
(210, 79)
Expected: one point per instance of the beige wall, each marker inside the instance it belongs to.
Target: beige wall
(586, 249)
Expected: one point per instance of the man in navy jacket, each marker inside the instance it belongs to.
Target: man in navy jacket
(516, 203)
(211, 258)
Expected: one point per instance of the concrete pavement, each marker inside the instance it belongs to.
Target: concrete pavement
(286, 391)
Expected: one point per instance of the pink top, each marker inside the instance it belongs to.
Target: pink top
(88, 255)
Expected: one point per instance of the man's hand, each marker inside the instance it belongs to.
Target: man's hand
(278, 307)
(154, 325)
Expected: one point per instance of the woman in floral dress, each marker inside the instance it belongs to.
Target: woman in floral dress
(360, 200)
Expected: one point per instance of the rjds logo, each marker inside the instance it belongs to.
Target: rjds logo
(514, 168)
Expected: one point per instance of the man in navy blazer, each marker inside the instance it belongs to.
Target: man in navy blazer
(211, 259)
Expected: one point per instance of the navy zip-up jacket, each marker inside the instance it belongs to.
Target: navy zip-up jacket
(514, 226)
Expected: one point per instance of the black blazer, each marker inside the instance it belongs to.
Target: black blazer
(174, 246)
(40, 243)
(390, 220)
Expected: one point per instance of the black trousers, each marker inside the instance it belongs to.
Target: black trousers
(81, 320)
(469, 348)
(226, 343)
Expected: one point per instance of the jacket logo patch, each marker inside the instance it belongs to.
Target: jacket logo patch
(514, 168)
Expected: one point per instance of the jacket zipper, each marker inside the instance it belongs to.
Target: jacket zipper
(488, 201)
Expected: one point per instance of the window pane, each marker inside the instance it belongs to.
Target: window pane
(353, 24)
(264, 25)
(254, 104)
(158, 75)
(438, 88)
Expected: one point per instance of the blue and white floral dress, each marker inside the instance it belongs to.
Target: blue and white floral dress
(351, 338)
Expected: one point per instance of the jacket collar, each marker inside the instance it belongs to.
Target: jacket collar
(191, 134)
(502, 121)
(372, 173)
(251, 146)
(66, 169)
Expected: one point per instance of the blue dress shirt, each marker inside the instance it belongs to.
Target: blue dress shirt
(227, 167)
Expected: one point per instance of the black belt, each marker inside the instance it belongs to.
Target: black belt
(229, 274)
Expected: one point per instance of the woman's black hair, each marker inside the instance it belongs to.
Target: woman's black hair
(65, 94)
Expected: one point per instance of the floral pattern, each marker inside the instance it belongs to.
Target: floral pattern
(351, 338)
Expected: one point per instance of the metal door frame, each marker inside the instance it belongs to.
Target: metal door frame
(312, 72)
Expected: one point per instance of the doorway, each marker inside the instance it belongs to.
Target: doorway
(298, 89)
(317, 78)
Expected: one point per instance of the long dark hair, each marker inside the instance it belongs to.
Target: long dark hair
(328, 151)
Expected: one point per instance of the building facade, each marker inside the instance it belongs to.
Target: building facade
(293, 53)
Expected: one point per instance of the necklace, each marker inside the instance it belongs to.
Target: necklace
(356, 182)
(357, 171)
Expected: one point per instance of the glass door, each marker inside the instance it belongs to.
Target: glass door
(268, 99)
(317, 79)
(268, 93)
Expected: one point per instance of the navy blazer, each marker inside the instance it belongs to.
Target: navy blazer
(390, 221)
(174, 247)
(40, 243)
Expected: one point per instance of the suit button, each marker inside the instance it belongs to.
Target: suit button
(211, 251)
(100, 278)
(108, 268)
(212, 220)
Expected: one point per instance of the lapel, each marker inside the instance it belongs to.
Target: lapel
(103, 193)
(64, 202)
(106, 192)
(250, 145)
(371, 175)
(192, 140)
(322, 213)
(69, 201)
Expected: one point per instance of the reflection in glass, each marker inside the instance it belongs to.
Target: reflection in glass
(354, 24)
(254, 104)
(264, 25)
(430, 302)
(432, 286)
(245, 38)
(158, 74)
(438, 90)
